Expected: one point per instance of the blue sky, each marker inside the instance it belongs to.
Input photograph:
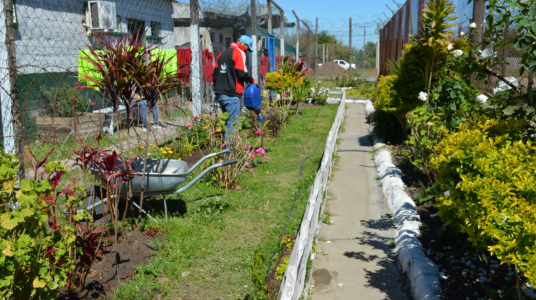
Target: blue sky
(333, 16)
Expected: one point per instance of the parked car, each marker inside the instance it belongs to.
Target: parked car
(344, 64)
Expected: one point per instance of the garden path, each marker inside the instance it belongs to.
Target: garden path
(354, 255)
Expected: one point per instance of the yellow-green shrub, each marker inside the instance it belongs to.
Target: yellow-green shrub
(488, 181)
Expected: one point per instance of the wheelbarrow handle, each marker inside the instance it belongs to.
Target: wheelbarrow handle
(229, 162)
(207, 157)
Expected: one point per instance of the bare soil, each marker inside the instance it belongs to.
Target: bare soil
(118, 263)
(329, 69)
(465, 272)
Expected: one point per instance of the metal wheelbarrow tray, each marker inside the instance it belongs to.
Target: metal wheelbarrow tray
(162, 177)
(165, 176)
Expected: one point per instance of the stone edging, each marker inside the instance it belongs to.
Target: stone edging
(421, 271)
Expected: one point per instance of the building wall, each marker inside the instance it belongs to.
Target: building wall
(50, 32)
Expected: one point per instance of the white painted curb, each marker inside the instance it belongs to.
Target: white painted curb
(422, 272)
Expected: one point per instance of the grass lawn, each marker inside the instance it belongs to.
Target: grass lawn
(216, 239)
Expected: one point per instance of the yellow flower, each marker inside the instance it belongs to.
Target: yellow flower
(142, 147)
(151, 144)
(130, 152)
(180, 158)
(170, 152)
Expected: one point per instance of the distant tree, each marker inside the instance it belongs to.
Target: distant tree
(325, 38)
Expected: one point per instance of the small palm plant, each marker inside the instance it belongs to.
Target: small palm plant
(300, 94)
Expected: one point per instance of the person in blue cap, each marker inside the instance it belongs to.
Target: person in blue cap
(230, 76)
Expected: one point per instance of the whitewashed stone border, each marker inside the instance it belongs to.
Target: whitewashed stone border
(422, 272)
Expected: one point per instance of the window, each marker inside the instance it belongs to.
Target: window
(134, 26)
(221, 38)
(156, 27)
(212, 37)
(227, 42)
(15, 19)
(119, 24)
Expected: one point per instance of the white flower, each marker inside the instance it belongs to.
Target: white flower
(462, 33)
(482, 98)
(446, 193)
(472, 25)
(449, 47)
(457, 53)
(486, 53)
(423, 96)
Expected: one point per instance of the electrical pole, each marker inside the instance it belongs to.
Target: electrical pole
(297, 37)
(254, 57)
(196, 59)
(350, 68)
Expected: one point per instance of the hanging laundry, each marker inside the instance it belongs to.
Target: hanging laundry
(208, 65)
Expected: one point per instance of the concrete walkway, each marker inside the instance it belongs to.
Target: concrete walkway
(354, 254)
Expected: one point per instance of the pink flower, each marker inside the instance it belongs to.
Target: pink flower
(216, 132)
(267, 159)
(92, 103)
(56, 106)
(285, 94)
(279, 83)
(239, 144)
(223, 146)
(247, 164)
(252, 155)
(77, 84)
(261, 151)
(196, 118)
(188, 126)
(251, 170)
(259, 132)
(247, 147)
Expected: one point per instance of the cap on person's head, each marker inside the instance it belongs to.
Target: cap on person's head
(247, 40)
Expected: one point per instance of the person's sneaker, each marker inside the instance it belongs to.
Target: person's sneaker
(156, 126)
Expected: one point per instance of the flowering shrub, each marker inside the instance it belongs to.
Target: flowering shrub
(154, 152)
(248, 155)
(320, 94)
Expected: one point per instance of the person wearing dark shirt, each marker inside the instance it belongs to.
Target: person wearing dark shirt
(230, 76)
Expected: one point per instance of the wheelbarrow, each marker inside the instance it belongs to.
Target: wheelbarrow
(162, 177)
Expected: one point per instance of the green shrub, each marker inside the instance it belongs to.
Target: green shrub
(451, 102)
(347, 80)
(64, 100)
(36, 255)
(488, 181)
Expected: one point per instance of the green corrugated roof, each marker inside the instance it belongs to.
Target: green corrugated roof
(288, 48)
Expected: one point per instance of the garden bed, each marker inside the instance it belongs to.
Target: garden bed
(463, 272)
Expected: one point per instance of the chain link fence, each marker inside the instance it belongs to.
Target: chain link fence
(43, 44)
(396, 32)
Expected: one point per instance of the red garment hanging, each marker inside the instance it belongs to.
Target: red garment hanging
(264, 65)
(208, 66)
(184, 58)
